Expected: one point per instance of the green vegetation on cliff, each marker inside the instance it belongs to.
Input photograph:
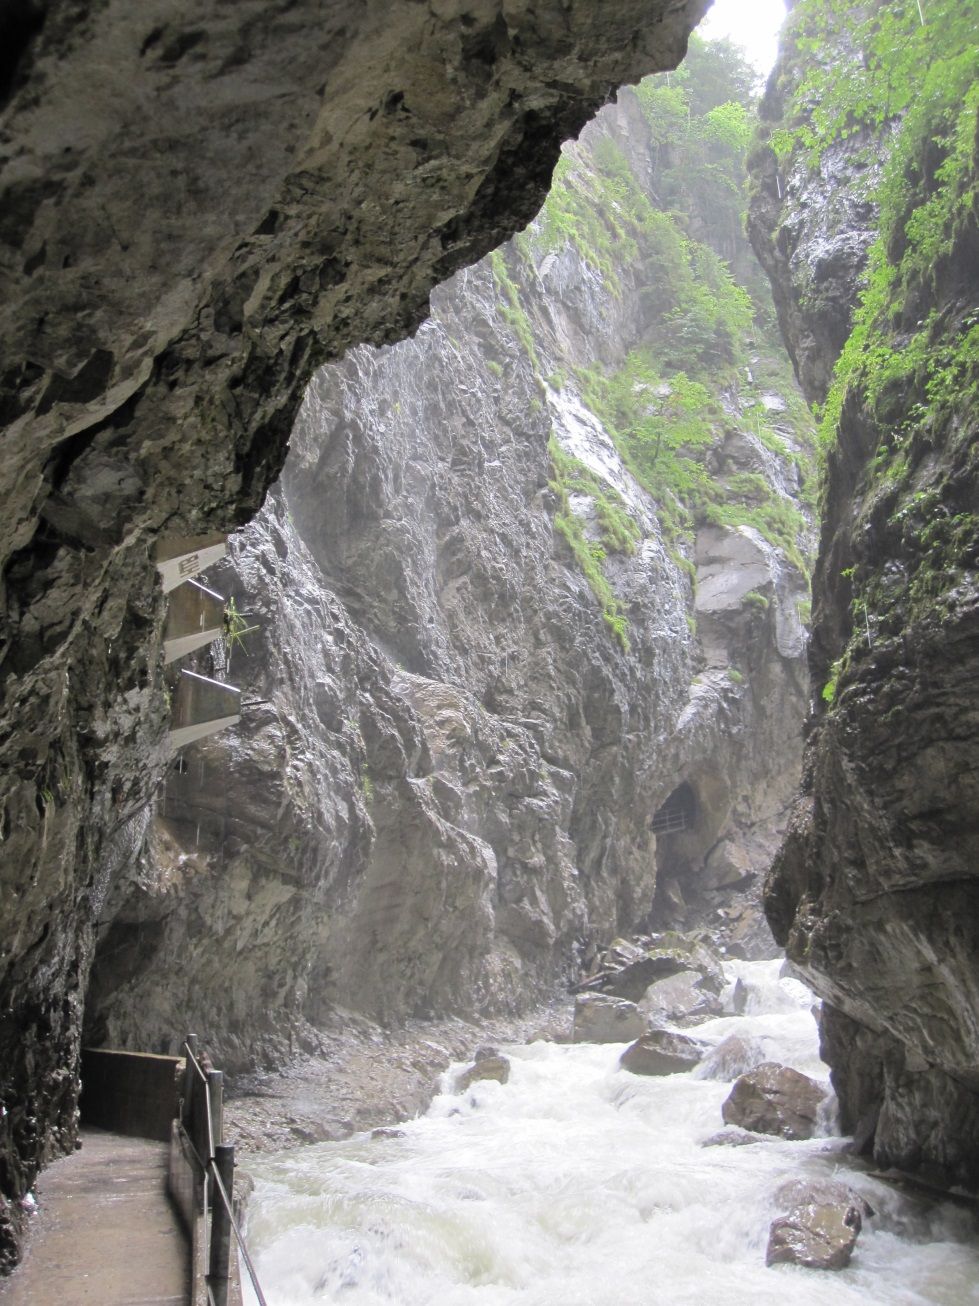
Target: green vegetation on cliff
(699, 401)
(918, 80)
(679, 232)
(906, 384)
(619, 532)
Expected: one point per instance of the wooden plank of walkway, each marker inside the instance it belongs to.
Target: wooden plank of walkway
(105, 1232)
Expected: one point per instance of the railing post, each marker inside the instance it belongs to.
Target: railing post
(215, 1093)
(220, 1251)
(189, 1076)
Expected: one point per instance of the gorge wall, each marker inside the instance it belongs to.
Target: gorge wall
(526, 576)
(200, 205)
(865, 216)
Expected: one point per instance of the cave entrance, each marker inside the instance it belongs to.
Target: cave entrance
(678, 813)
(678, 845)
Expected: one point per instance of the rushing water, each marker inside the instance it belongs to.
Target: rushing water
(578, 1183)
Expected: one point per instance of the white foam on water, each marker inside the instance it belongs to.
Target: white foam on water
(578, 1183)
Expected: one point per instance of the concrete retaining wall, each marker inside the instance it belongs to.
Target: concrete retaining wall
(132, 1093)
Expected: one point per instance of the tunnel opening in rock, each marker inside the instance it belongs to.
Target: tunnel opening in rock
(679, 826)
(20, 24)
(678, 812)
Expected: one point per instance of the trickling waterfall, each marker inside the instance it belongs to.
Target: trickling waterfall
(578, 1182)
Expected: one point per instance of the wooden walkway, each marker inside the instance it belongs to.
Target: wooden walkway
(105, 1233)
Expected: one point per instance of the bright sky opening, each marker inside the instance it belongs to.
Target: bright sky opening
(751, 24)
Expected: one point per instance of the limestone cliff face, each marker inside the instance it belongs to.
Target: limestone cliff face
(198, 209)
(875, 893)
(444, 797)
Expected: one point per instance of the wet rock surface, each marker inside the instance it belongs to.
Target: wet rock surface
(815, 1235)
(824, 1192)
(874, 894)
(682, 999)
(736, 1055)
(673, 978)
(601, 1019)
(662, 1052)
(656, 959)
(490, 1066)
(822, 1221)
(474, 761)
(774, 1099)
(731, 1138)
(359, 1077)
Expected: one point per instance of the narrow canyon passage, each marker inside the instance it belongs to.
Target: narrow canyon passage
(579, 1182)
(419, 585)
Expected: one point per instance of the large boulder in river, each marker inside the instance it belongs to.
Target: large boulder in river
(774, 1099)
(820, 1227)
(628, 970)
(681, 999)
(661, 1052)
(735, 1056)
(602, 1019)
(634, 979)
(821, 1192)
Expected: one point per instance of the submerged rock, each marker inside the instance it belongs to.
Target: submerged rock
(491, 1065)
(602, 1019)
(731, 1138)
(738, 1054)
(662, 1052)
(774, 1099)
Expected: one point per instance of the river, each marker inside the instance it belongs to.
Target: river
(578, 1183)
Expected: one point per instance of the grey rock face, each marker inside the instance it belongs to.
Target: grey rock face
(874, 894)
(473, 761)
(196, 213)
(812, 231)
(774, 1099)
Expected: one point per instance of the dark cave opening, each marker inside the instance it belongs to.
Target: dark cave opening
(677, 813)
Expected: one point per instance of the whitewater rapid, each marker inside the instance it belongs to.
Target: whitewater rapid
(578, 1183)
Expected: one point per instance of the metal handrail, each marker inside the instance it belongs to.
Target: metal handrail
(240, 1240)
(214, 1183)
(207, 1102)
